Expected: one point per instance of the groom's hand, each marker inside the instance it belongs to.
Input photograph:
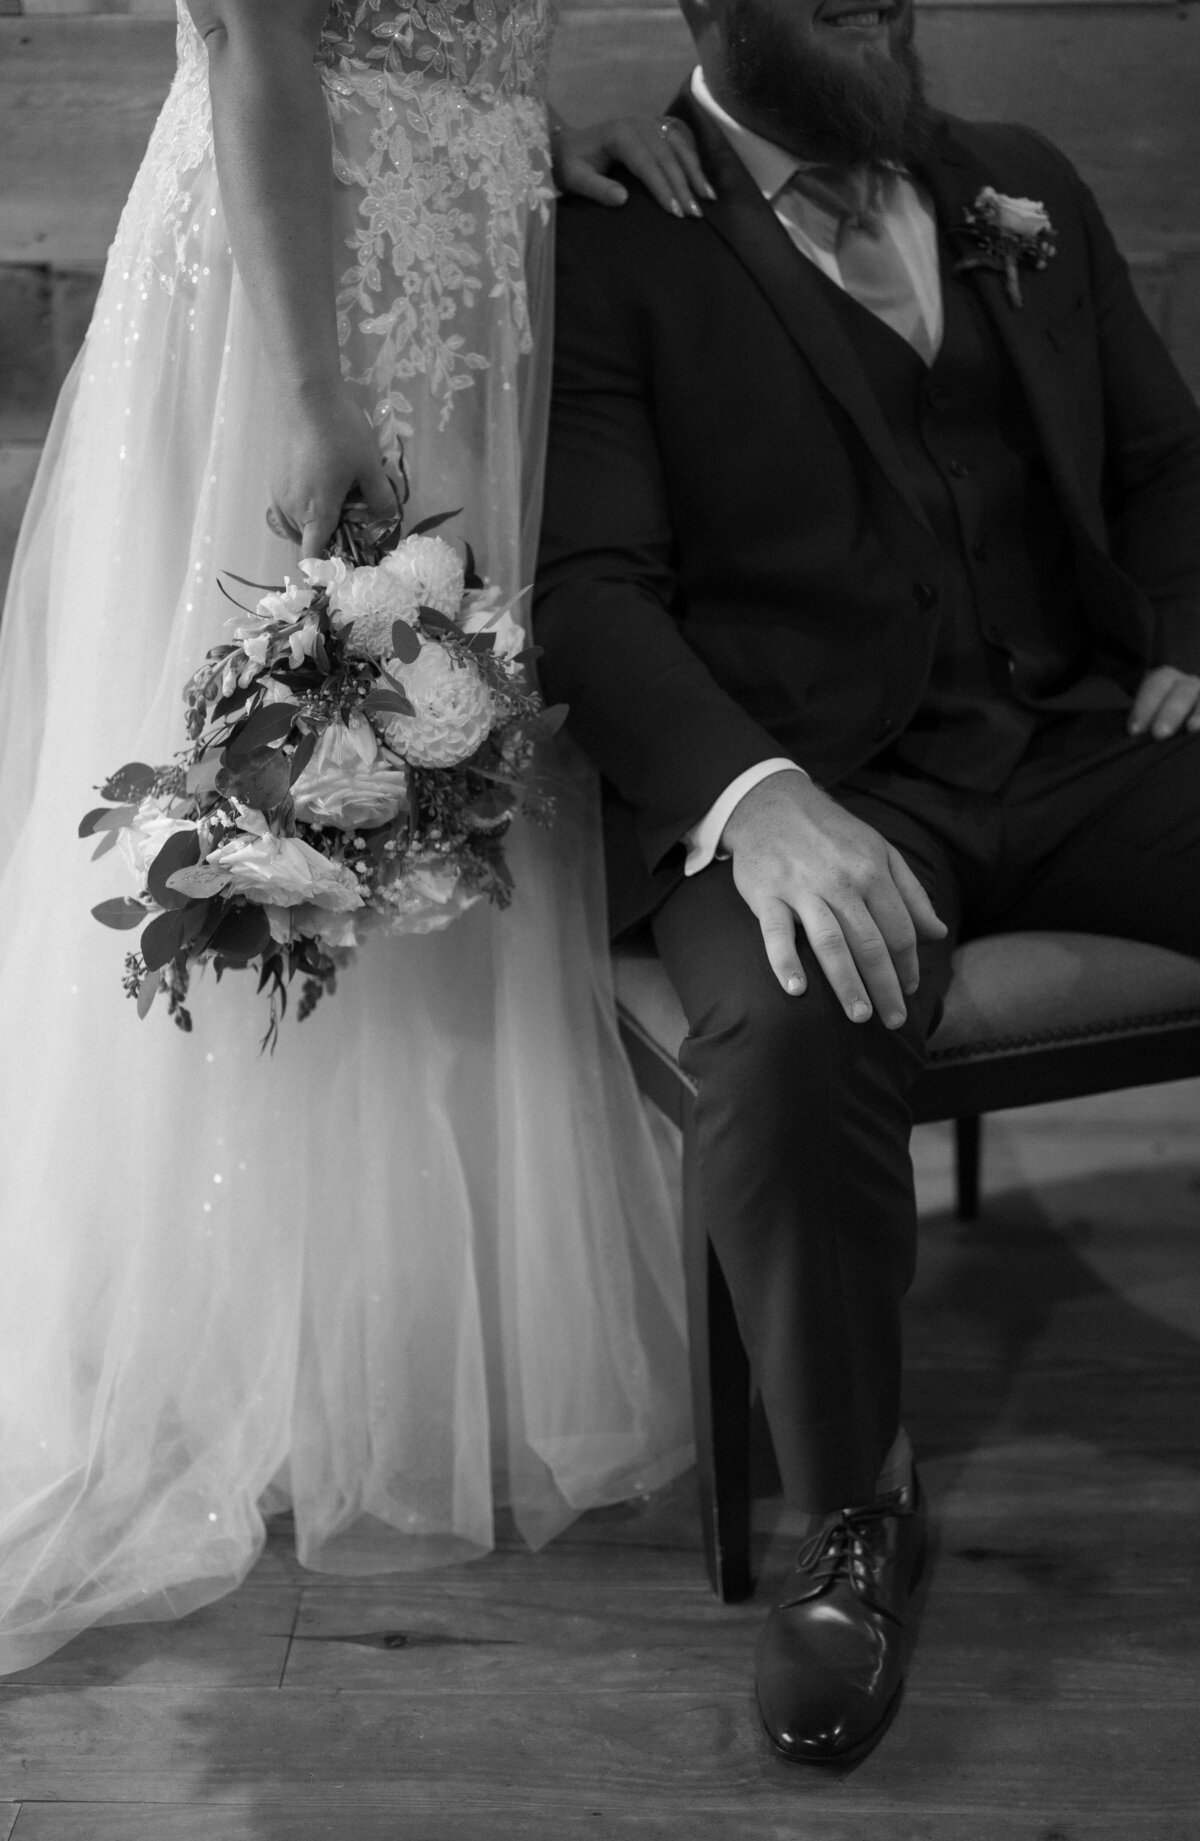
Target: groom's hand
(799, 856)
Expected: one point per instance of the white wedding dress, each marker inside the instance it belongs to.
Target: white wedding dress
(422, 1261)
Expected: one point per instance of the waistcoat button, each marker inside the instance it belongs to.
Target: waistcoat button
(957, 469)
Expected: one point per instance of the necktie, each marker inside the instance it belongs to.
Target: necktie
(853, 204)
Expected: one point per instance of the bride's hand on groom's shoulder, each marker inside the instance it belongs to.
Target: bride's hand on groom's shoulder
(658, 149)
(325, 451)
(798, 856)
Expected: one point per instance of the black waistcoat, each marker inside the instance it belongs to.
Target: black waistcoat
(1013, 644)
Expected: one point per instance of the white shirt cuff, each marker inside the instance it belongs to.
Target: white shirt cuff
(703, 840)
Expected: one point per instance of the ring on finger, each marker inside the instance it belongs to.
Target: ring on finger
(666, 124)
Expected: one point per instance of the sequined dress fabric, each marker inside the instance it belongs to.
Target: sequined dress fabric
(418, 1270)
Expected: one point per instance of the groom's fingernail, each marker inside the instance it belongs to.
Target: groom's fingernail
(795, 985)
(859, 1012)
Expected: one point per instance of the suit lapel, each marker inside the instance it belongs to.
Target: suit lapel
(792, 287)
(955, 177)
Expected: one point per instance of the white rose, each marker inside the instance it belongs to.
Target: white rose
(370, 600)
(324, 571)
(288, 605)
(430, 571)
(140, 842)
(1024, 217)
(350, 782)
(452, 709)
(284, 871)
(486, 613)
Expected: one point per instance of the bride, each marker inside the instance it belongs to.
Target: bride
(420, 1263)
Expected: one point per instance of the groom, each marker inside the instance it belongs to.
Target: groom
(871, 574)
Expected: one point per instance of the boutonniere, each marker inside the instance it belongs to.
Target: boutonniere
(1007, 234)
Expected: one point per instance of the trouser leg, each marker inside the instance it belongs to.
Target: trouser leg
(805, 1179)
(1102, 835)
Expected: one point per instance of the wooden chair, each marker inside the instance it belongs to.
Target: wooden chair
(1029, 1017)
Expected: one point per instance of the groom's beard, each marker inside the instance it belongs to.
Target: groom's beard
(826, 108)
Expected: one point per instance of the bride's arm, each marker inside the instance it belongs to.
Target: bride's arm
(274, 167)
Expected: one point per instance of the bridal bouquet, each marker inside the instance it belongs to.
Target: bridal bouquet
(357, 751)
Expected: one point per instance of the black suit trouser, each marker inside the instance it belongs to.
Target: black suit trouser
(802, 1117)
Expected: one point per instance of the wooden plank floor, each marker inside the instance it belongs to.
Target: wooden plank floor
(598, 1690)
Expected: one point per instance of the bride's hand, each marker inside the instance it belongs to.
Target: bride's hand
(327, 451)
(659, 149)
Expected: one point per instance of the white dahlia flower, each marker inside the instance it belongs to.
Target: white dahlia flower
(452, 709)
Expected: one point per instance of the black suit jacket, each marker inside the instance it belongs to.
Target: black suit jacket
(734, 564)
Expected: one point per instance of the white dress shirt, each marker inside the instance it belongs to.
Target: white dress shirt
(910, 222)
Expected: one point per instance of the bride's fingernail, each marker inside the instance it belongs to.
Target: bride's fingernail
(795, 985)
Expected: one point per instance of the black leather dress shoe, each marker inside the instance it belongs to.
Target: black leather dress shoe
(831, 1656)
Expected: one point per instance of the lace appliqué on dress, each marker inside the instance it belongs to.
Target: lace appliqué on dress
(160, 215)
(439, 124)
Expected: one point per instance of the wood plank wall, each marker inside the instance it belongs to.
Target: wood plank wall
(1115, 82)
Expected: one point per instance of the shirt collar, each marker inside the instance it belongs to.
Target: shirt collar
(770, 166)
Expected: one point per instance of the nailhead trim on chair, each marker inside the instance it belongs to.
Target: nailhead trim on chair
(1086, 1032)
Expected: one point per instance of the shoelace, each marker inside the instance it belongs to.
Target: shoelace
(839, 1550)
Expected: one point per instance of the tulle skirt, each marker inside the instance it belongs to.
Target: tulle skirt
(419, 1262)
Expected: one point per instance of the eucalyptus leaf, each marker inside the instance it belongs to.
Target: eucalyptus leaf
(434, 621)
(229, 706)
(263, 783)
(121, 912)
(302, 757)
(269, 723)
(243, 934)
(106, 818)
(406, 642)
(148, 990)
(195, 920)
(133, 782)
(162, 938)
(199, 882)
(180, 851)
(108, 841)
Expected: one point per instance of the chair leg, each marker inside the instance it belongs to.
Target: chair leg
(720, 1374)
(968, 1136)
